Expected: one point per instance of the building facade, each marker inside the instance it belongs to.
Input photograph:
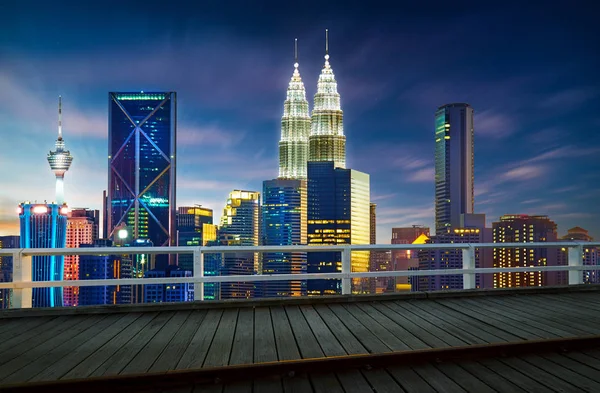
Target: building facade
(523, 229)
(159, 293)
(142, 166)
(44, 226)
(338, 213)
(327, 141)
(194, 228)
(454, 165)
(406, 259)
(590, 258)
(284, 224)
(6, 265)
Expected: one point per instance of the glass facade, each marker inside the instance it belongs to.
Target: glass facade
(44, 226)
(338, 213)
(159, 293)
(194, 228)
(142, 164)
(454, 165)
(284, 224)
(6, 265)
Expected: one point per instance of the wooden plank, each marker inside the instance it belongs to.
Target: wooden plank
(573, 312)
(368, 339)
(83, 346)
(344, 336)
(242, 351)
(381, 381)
(117, 362)
(297, 384)
(438, 323)
(265, 349)
(14, 327)
(386, 337)
(509, 325)
(144, 360)
(326, 383)
(239, 386)
(412, 341)
(220, 348)
(539, 375)
(410, 380)
(49, 341)
(584, 358)
(428, 333)
(437, 379)
(463, 378)
(353, 381)
(307, 342)
(490, 378)
(287, 349)
(327, 340)
(28, 334)
(92, 362)
(513, 375)
(558, 370)
(40, 341)
(268, 385)
(169, 358)
(216, 388)
(195, 353)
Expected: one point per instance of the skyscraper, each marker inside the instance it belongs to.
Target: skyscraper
(327, 141)
(454, 165)
(590, 257)
(142, 165)
(241, 226)
(338, 213)
(194, 228)
(6, 266)
(295, 128)
(284, 224)
(523, 229)
(44, 226)
(406, 259)
(60, 159)
(82, 228)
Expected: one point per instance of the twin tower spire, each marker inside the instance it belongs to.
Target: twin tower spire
(319, 137)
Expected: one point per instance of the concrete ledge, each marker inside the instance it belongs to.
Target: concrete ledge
(198, 305)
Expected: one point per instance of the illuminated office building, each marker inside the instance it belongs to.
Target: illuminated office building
(338, 213)
(82, 228)
(44, 226)
(295, 129)
(284, 224)
(240, 223)
(159, 293)
(590, 258)
(6, 265)
(454, 165)
(194, 228)
(60, 159)
(406, 259)
(523, 229)
(327, 141)
(142, 167)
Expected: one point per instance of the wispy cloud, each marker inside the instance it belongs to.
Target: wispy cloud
(375, 198)
(405, 216)
(569, 98)
(490, 123)
(207, 135)
(422, 175)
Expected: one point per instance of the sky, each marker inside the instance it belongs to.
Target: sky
(529, 71)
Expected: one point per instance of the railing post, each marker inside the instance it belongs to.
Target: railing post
(468, 262)
(199, 273)
(346, 270)
(575, 259)
(21, 297)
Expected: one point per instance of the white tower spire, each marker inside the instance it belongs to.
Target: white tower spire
(60, 159)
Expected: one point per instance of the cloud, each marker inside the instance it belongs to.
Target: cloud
(405, 216)
(422, 175)
(490, 123)
(569, 98)
(524, 173)
(210, 134)
(375, 198)
(531, 201)
(199, 185)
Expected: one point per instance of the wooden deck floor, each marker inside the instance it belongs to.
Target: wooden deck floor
(46, 348)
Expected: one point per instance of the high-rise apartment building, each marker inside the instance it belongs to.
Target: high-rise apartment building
(142, 166)
(44, 226)
(406, 259)
(6, 265)
(338, 213)
(82, 228)
(159, 293)
(194, 228)
(523, 229)
(284, 224)
(327, 141)
(60, 159)
(295, 129)
(591, 257)
(454, 165)
(240, 223)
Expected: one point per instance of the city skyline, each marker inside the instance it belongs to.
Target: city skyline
(534, 116)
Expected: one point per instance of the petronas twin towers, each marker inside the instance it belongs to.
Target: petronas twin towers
(319, 137)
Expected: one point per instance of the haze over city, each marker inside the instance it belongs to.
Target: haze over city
(529, 73)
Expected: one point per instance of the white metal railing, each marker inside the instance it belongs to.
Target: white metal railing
(22, 278)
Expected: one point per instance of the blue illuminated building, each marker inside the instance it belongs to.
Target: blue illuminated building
(6, 265)
(142, 165)
(284, 224)
(158, 293)
(44, 226)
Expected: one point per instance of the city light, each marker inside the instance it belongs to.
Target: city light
(39, 209)
(122, 234)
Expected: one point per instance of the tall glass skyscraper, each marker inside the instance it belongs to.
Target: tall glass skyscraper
(194, 228)
(44, 226)
(284, 224)
(338, 213)
(454, 165)
(142, 165)
(295, 129)
(327, 141)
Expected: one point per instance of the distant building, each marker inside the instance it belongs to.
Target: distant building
(104, 267)
(60, 159)
(454, 165)
(406, 259)
(6, 265)
(194, 228)
(159, 293)
(523, 229)
(338, 213)
(82, 228)
(44, 226)
(591, 257)
(142, 166)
